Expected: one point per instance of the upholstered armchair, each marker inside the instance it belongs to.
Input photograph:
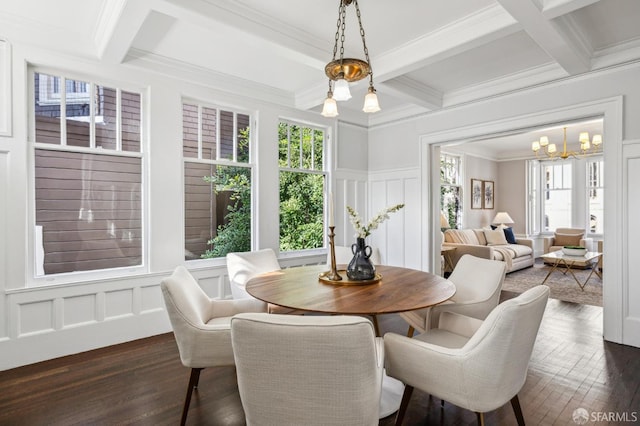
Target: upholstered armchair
(567, 237)
(243, 266)
(201, 325)
(478, 284)
(477, 365)
(312, 371)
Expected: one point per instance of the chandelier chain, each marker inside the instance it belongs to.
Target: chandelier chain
(344, 20)
(364, 43)
(338, 24)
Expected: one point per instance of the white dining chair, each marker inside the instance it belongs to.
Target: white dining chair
(201, 325)
(478, 284)
(312, 371)
(474, 364)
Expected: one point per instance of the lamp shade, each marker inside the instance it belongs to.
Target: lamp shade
(330, 108)
(341, 90)
(503, 218)
(444, 223)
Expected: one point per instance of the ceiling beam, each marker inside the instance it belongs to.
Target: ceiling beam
(285, 40)
(118, 24)
(559, 38)
(555, 8)
(413, 91)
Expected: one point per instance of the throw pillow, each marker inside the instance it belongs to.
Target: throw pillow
(508, 233)
(567, 239)
(495, 237)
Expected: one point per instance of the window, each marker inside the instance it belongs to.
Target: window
(558, 195)
(571, 195)
(88, 176)
(451, 189)
(302, 186)
(217, 181)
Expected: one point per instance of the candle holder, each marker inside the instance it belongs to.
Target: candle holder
(332, 275)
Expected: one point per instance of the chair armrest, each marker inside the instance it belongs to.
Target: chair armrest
(458, 323)
(406, 358)
(548, 242)
(485, 252)
(525, 242)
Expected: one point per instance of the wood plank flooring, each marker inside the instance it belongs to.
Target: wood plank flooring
(143, 383)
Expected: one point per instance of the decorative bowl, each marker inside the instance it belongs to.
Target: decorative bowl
(574, 250)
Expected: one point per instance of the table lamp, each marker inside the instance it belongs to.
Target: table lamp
(503, 219)
(444, 222)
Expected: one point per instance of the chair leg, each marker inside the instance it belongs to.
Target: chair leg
(193, 383)
(515, 403)
(480, 417)
(410, 331)
(406, 396)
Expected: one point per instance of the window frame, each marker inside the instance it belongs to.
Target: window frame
(580, 187)
(251, 164)
(325, 171)
(34, 280)
(459, 160)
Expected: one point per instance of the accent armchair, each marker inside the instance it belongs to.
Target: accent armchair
(201, 325)
(478, 284)
(312, 371)
(477, 365)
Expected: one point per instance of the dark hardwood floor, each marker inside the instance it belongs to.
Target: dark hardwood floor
(143, 383)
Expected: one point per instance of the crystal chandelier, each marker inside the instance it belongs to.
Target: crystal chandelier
(341, 71)
(586, 146)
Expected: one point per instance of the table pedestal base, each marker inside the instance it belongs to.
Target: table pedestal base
(392, 390)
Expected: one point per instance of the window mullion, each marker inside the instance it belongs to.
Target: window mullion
(199, 137)
(63, 111)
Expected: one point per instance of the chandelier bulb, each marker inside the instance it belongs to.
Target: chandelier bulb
(371, 101)
(341, 90)
(330, 107)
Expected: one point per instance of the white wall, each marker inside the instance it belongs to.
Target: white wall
(512, 193)
(39, 323)
(612, 93)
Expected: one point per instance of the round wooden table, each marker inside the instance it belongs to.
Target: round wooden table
(399, 290)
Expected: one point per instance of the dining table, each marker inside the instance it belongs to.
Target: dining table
(394, 289)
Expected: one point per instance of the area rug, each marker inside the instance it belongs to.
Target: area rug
(563, 287)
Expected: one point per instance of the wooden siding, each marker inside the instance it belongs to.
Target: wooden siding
(89, 206)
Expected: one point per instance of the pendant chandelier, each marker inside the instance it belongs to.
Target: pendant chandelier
(550, 150)
(341, 71)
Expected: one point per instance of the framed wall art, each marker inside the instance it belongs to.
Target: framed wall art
(488, 194)
(476, 194)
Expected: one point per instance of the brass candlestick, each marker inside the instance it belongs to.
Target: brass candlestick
(333, 273)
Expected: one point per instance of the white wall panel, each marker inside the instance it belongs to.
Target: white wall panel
(35, 317)
(79, 310)
(631, 292)
(151, 299)
(118, 303)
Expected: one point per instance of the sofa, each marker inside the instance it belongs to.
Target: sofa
(490, 244)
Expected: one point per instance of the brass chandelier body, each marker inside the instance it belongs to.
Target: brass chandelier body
(586, 147)
(342, 71)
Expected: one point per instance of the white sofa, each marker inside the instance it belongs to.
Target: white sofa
(474, 242)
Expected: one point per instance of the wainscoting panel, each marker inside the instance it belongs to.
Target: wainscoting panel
(79, 310)
(631, 287)
(35, 317)
(119, 303)
(350, 190)
(398, 238)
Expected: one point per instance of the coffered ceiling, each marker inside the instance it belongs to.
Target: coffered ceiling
(426, 55)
